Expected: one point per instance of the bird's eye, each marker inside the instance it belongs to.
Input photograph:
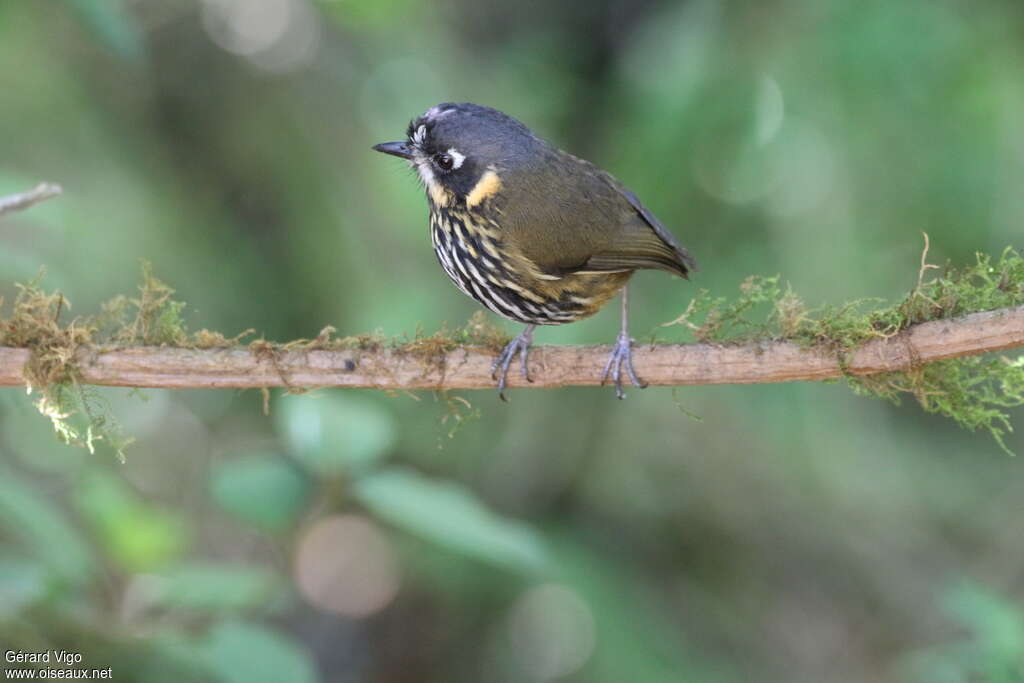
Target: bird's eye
(444, 161)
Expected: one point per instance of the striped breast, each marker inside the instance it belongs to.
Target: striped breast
(472, 258)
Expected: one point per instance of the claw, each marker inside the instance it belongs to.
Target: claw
(621, 354)
(520, 345)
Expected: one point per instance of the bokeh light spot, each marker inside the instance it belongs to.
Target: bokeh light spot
(770, 110)
(275, 35)
(551, 630)
(345, 564)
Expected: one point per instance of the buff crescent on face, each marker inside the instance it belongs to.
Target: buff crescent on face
(485, 188)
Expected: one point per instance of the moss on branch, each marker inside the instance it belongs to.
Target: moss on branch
(976, 391)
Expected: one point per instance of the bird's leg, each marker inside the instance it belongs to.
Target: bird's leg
(520, 345)
(622, 353)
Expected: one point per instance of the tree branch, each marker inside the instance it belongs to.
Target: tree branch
(551, 366)
(18, 202)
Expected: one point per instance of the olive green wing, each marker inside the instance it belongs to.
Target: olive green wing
(642, 242)
(572, 217)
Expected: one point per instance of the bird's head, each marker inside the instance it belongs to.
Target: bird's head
(461, 151)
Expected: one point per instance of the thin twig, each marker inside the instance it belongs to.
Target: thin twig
(925, 266)
(23, 200)
(468, 367)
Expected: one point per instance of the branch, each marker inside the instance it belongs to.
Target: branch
(19, 202)
(468, 367)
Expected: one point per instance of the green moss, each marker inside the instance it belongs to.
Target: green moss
(458, 412)
(79, 415)
(974, 391)
(152, 319)
(478, 331)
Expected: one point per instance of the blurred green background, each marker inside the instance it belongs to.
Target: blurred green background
(793, 533)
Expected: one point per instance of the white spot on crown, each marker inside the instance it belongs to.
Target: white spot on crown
(436, 113)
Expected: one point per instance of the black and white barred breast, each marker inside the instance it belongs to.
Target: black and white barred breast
(472, 257)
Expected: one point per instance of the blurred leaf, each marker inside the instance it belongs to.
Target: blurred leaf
(41, 528)
(239, 652)
(997, 627)
(138, 536)
(233, 651)
(219, 588)
(997, 622)
(262, 489)
(333, 432)
(992, 652)
(112, 24)
(21, 584)
(451, 516)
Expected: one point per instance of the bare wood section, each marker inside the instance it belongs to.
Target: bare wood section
(551, 366)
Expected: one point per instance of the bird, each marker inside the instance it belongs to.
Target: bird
(533, 233)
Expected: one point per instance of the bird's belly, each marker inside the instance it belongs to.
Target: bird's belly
(486, 279)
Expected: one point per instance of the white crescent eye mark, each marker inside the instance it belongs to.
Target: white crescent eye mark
(457, 157)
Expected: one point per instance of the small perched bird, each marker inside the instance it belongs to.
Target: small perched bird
(533, 233)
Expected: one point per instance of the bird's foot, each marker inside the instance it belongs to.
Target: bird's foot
(520, 345)
(621, 355)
